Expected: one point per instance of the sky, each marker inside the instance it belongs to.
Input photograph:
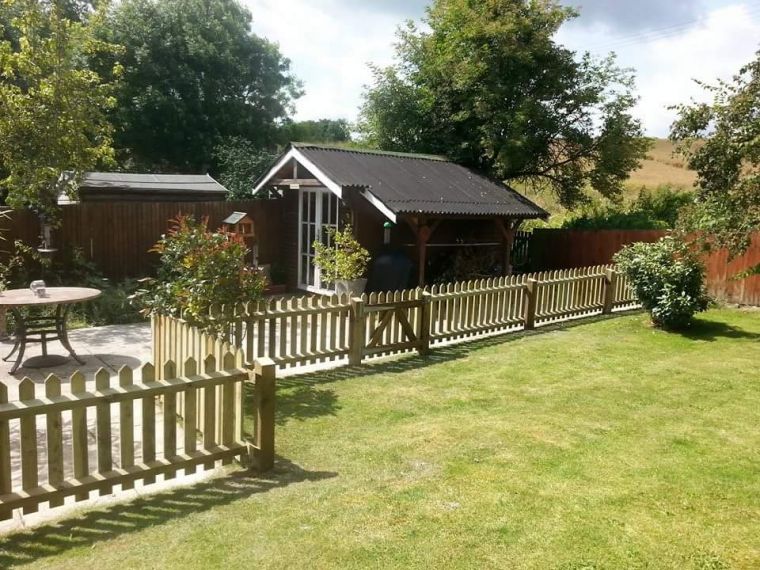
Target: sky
(668, 43)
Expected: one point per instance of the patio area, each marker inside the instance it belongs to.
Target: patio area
(109, 347)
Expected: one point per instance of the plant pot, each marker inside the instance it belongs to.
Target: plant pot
(276, 289)
(354, 287)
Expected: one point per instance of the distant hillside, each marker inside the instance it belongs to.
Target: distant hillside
(660, 167)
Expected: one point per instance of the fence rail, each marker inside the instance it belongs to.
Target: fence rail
(131, 441)
(309, 330)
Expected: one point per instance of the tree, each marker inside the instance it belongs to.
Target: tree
(240, 164)
(194, 75)
(321, 131)
(720, 140)
(489, 87)
(53, 116)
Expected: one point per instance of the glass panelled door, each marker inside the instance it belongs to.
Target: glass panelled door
(319, 210)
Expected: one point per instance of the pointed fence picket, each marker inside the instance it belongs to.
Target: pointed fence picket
(306, 330)
(55, 461)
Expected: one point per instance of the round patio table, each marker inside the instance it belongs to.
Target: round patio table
(42, 329)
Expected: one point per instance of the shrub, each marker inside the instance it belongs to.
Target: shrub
(652, 210)
(342, 258)
(199, 268)
(668, 280)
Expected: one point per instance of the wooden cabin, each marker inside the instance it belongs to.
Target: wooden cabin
(434, 206)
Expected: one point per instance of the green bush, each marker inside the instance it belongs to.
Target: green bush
(652, 210)
(199, 268)
(668, 280)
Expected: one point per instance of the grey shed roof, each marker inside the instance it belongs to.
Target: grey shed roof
(413, 183)
(151, 182)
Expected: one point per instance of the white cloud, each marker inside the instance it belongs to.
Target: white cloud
(667, 63)
(330, 43)
(330, 46)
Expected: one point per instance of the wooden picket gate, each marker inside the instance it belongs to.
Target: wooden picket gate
(389, 323)
(56, 461)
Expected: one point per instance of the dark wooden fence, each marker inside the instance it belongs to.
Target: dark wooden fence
(116, 236)
(564, 249)
(552, 249)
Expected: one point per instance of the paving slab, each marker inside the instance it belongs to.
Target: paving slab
(109, 347)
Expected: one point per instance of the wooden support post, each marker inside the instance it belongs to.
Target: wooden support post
(356, 332)
(422, 231)
(424, 330)
(264, 397)
(610, 282)
(531, 297)
(423, 235)
(507, 231)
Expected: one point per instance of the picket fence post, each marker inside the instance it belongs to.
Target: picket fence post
(356, 332)
(610, 284)
(6, 479)
(424, 334)
(264, 397)
(531, 294)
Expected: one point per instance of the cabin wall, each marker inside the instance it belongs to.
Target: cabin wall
(449, 240)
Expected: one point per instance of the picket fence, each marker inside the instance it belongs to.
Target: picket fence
(52, 429)
(308, 330)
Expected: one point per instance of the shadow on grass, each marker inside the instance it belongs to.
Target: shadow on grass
(300, 397)
(709, 330)
(118, 520)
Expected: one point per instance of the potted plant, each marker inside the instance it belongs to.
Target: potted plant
(342, 261)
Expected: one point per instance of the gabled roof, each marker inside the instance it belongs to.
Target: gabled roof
(151, 182)
(411, 183)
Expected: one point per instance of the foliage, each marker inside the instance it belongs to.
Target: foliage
(194, 76)
(199, 268)
(720, 140)
(53, 118)
(321, 131)
(70, 268)
(652, 210)
(668, 280)
(490, 88)
(342, 257)
(240, 164)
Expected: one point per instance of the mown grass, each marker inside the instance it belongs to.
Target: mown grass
(601, 445)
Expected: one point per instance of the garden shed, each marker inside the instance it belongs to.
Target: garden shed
(128, 187)
(435, 208)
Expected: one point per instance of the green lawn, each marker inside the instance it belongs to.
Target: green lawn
(602, 445)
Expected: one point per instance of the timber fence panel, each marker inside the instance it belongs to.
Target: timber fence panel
(59, 468)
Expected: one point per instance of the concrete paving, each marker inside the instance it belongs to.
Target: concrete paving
(108, 347)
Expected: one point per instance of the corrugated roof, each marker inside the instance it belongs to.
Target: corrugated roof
(412, 183)
(150, 182)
